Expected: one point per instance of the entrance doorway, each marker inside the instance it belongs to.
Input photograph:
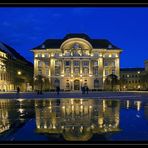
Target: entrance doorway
(76, 85)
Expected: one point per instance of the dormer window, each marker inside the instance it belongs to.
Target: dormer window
(43, 46)
(109, 46)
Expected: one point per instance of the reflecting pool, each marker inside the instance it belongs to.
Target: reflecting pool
(73, 120)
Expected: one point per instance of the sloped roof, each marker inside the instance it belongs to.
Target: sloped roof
(13, 53)
(96, 43)
(132, 69)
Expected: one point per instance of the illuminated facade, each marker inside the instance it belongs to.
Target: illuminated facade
(76, 61)
(14, 70)
(134, 78)
(131, 78)
(77, 119)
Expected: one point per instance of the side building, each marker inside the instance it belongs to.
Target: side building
(15, 70)
(131, 78)
(75, 61)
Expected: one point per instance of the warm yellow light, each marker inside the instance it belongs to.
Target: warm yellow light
(43, 55)
(138, 86)
(62, 75)
(127, 104)
(110, 55)
(19, 72)
(138, 72)
(90, 75)
(80, 75)
(138, 105)
(128, 76)
(116, 55)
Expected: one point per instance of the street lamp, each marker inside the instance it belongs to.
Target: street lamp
(19, 72)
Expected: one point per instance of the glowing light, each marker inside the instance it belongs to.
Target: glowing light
(19, 72)
(110, 55)
(138, 72)
(63, 107)
(45, 126)
(80, 75)
(138, 105)
(116, 55)
(127, 104)
(90, 75)
(62, 75)
(128, 76)
(20, 100)
(81, 101)
(71, 101)
(21, 110)
(90, 106)
(139, 86)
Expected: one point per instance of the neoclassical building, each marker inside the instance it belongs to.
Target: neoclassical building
(76, 61)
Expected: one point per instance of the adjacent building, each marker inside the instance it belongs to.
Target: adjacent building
(75, 61)
(131, 78)
(15, 70)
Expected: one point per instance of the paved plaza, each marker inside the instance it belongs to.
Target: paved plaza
(103, 94)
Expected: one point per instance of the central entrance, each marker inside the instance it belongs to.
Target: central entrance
(76, 85)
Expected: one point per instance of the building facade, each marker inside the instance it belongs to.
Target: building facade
(131, 78)
(75, 61)
(14, 70)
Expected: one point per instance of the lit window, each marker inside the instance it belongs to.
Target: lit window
(40, 72)
(39, 64)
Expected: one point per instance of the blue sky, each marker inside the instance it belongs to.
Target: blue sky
(24, 28)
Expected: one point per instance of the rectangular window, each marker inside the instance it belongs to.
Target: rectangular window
(106, 72)
(39, 64)
(67, 63)
(57, 63)
(95, 70)
(105, 63)
(113, 72)
(85, 63)
(57, 71)
(47, 72)
(96, 63)
(40, 72)
(76, 63)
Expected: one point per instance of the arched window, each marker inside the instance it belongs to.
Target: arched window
(96, 83)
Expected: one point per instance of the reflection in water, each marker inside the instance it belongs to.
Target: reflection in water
(74, 119)
(77, 119)
(13, 113)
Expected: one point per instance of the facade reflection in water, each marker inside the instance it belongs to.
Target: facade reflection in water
(14, 113)
(77, 119)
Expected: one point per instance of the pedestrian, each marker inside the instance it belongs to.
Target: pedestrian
(18, 90)
(58, 90)
(87, 89)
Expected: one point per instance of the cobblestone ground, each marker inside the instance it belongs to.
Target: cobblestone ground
(33, 95)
